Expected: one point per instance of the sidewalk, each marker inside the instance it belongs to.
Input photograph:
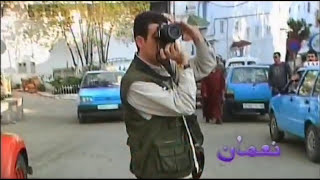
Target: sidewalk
(59, 96)
(11, 110)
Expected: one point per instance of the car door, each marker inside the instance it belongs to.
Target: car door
(299, 104)
(314, 110)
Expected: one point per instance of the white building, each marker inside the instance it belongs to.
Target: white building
(264, 24)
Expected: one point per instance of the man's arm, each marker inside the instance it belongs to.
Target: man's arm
(151, 98)
(204, 61)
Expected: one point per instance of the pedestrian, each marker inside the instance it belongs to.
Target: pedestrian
(158, 93)
(312, 57)
(279, 74)
(214, 87)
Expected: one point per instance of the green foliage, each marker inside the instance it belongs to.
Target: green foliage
(59, 82)
(300, 29)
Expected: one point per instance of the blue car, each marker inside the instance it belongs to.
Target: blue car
(99, 94)
(247, 91)
(296, 111)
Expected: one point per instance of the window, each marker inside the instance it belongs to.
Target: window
(257, 31)
(308, 82)
(248, 32)
(268, 29)
(308, 7)
(237, 26)
(221, 27)
(250, 75)
(316, 91)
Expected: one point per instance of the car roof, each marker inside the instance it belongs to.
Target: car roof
(242, 59)
(250, 66)
(102, 71)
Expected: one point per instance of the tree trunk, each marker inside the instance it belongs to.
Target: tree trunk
(71, 52)
(78, 49)
(107, 48)
(84, 45)
(101, 42)
(96, 35)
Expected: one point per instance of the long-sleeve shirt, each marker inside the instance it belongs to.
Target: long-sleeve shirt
(279, 74)
(151, 99)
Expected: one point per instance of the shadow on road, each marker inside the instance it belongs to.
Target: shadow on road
(95, 120)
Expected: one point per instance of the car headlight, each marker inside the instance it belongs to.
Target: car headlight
(85, 99)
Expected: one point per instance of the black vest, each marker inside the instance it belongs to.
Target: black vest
(159, 147)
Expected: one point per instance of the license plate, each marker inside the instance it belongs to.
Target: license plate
(108, 106)
(253, 106)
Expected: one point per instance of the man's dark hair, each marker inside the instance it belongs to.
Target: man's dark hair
(143, 20)
(277, 53)
(311, 51)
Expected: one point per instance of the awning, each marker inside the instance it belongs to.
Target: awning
(240, 43)
(197, 21)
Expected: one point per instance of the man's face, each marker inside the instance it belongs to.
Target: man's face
(148, 47)
(276, 58)
(311, 57)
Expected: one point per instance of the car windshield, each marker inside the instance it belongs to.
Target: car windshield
(250, 75)
(101, 79)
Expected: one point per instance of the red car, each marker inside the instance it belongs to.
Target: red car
(14, 157)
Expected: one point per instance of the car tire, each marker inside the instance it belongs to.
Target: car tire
(81, 117)
(275, 133)
(21, 168)
(312, 142)
(227, 114)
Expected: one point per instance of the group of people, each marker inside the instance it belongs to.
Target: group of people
(281, 78)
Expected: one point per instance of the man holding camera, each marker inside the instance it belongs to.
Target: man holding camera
(158, 93)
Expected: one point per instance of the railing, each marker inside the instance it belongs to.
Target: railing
(70, 89)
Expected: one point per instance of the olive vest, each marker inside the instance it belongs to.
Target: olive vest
(159, 147)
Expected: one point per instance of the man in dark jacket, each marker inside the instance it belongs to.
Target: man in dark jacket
(157, 103)
(279, 74)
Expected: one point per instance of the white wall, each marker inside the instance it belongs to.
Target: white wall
(262, 45)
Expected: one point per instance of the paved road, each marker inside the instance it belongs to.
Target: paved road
(59, 147)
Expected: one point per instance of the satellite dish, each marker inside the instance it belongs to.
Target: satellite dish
(3, 47)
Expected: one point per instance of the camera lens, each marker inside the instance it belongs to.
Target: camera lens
(174, 31)
(169, 33)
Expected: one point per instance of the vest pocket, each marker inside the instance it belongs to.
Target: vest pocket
(174, 158)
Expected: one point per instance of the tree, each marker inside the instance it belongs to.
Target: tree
(89, 25)
(300, 31)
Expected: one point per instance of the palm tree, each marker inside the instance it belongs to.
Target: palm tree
(300, 31)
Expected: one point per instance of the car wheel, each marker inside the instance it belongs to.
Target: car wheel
(312, 143)
(81, 118)
(21, 168)
(227, 114)
(275, 133)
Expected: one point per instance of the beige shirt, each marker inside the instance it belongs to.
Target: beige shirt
(151, 99)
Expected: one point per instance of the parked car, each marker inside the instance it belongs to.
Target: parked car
(247, 91)
(14, 157)
(99, 94)
(297, 112)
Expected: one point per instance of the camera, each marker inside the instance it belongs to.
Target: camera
(168, 33)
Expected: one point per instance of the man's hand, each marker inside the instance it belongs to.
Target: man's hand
(191, 33)
(173, 51)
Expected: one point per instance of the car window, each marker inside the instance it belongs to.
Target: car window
(316, 91)
(307, 84)
(251, 62)
(236, 63)
(249, 75)
(100, 79)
